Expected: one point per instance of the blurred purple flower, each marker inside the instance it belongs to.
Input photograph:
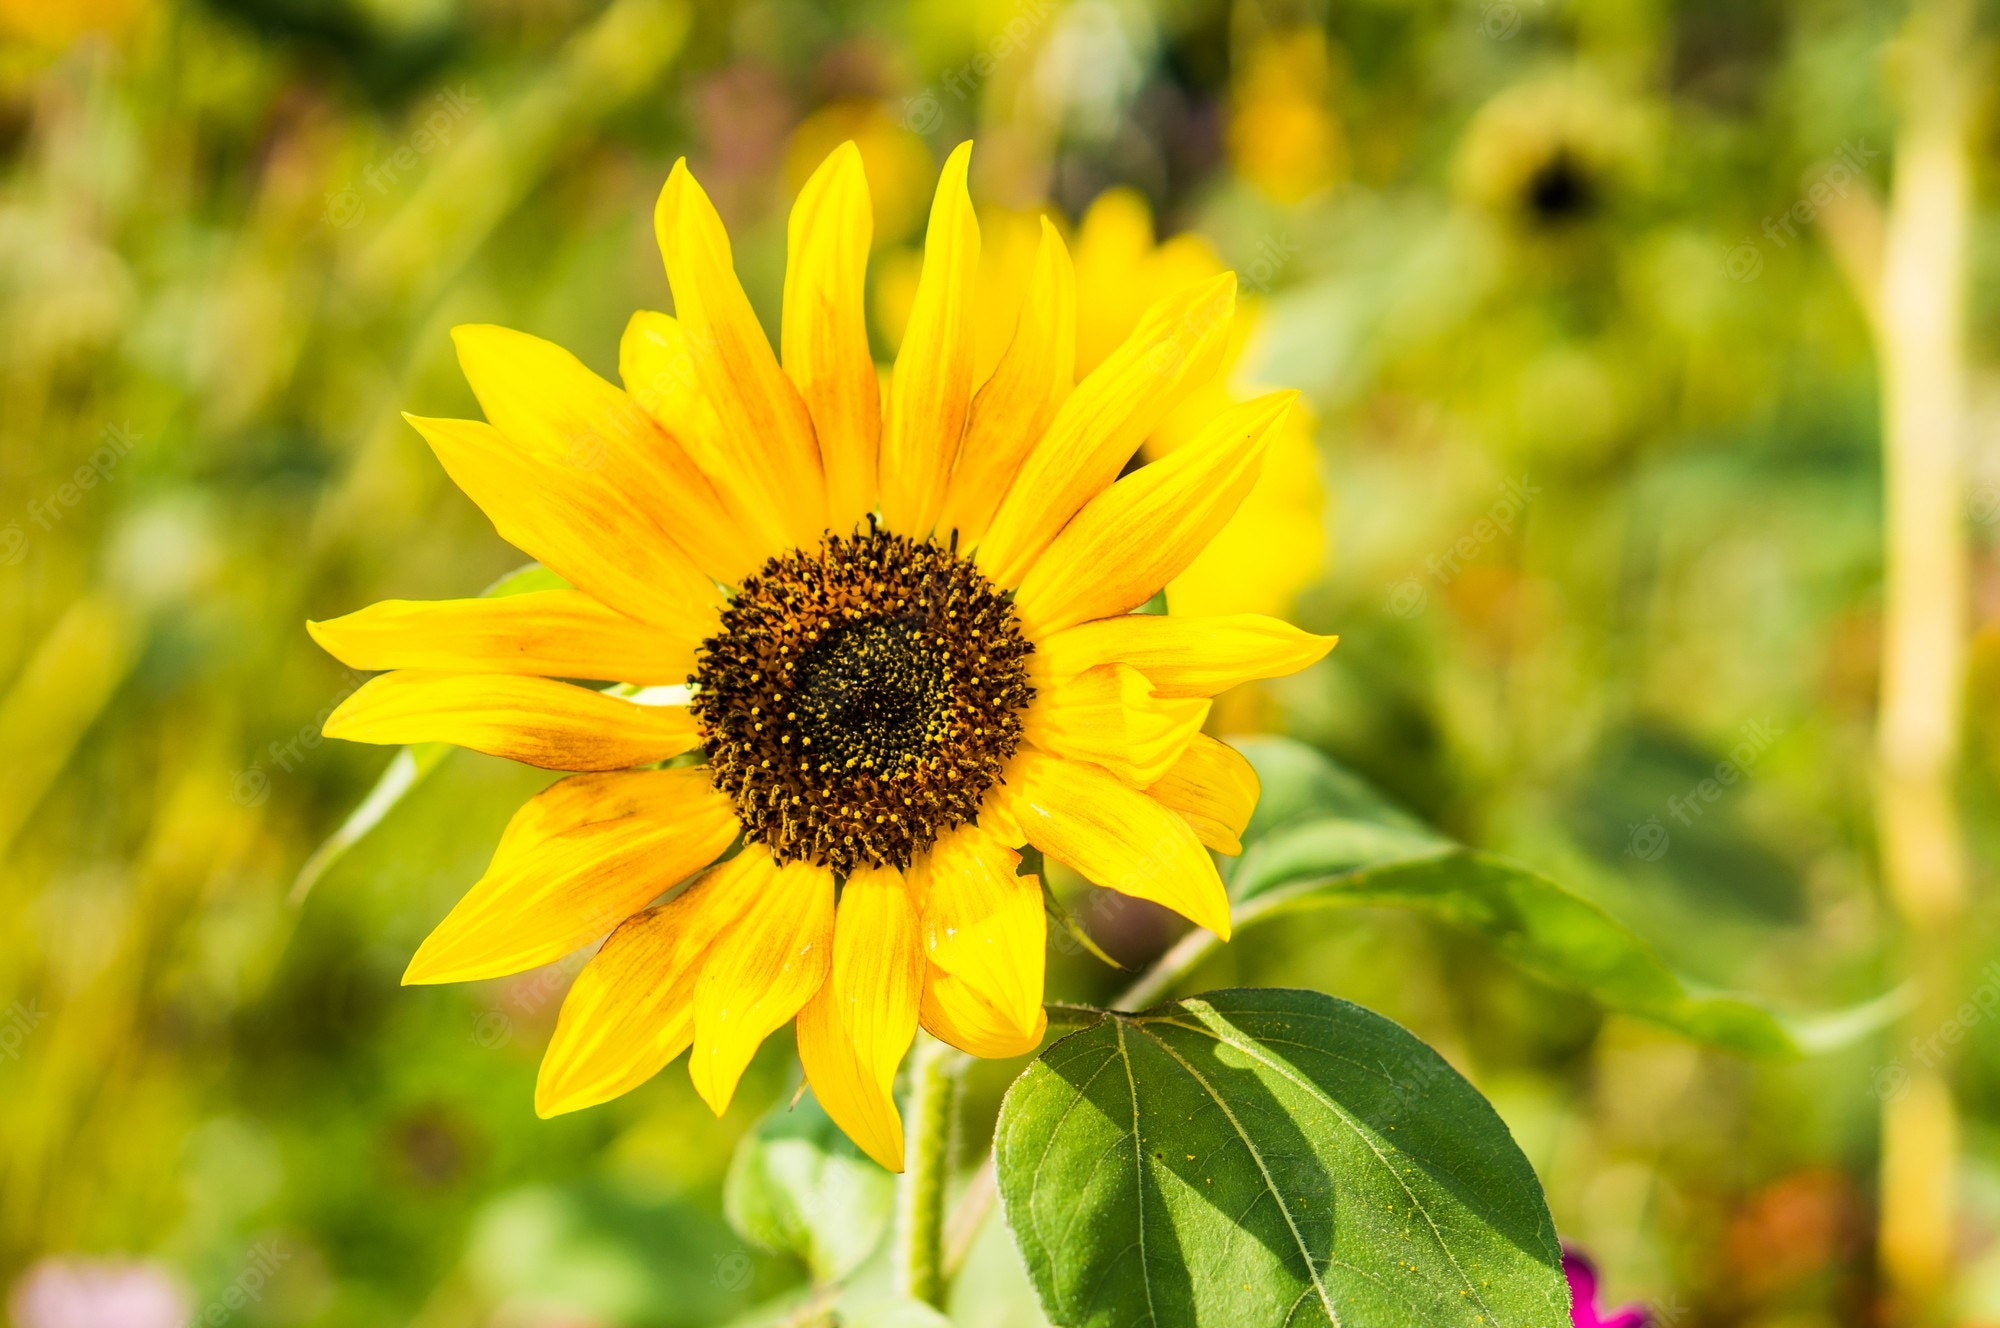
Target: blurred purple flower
(1583, 1311)
(68, 1292)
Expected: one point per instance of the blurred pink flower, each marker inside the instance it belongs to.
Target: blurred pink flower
(1583, 1309)
(64, 1291)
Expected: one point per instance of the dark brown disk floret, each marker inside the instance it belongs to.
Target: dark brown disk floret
(861, 698)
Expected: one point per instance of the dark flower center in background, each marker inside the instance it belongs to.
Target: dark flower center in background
(1561, 190)
(861, 698)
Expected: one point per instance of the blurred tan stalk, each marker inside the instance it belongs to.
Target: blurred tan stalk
(1917, 307)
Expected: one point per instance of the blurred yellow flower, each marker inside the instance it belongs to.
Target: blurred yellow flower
(897, 161)
(1552, 152)
(1273, 547)
(56, 22)
(901, 636)
(1283, 137)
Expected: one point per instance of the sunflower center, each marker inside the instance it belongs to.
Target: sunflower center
(861, 698)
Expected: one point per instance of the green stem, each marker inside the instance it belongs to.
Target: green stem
(920, 1196)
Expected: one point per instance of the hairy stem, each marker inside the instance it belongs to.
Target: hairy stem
(934, 1071)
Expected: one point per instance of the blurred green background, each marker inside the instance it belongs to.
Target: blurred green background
(1594, 503)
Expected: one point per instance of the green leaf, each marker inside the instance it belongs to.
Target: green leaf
(798, 1186)
(1301, 783)
(1322, 838)
(1267, 1156)
(410, 766)
(1541, 927)
(528, 577)
(1073, 931)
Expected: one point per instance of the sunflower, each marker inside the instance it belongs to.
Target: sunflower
(875, 642)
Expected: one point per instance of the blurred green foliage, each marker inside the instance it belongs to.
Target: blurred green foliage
(1597, 421)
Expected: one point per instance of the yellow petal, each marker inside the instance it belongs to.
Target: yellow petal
(1015, 406)
(761, 971)
(631, 1010)
(854, 1031)
(536, 720)
(1177, 346)
(984, 925)
(772, 465)
(955, 1012)
(825, 337)
(555, 633)
(1214, 789)
(579, 858)
(657, 364)
(930, 393)
(1109, 716)
(1181, 656)
(578, 524)
(1114, 835)
(1274, 547)
(1119, 266)
(544, 401)
(1137, 535)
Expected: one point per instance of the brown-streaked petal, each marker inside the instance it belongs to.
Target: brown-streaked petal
(759, 973)
(545, 401)
(576, 523)
(656, 361)
(537, 721)
(579, 858)
(631, 1010)
(554, 633)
